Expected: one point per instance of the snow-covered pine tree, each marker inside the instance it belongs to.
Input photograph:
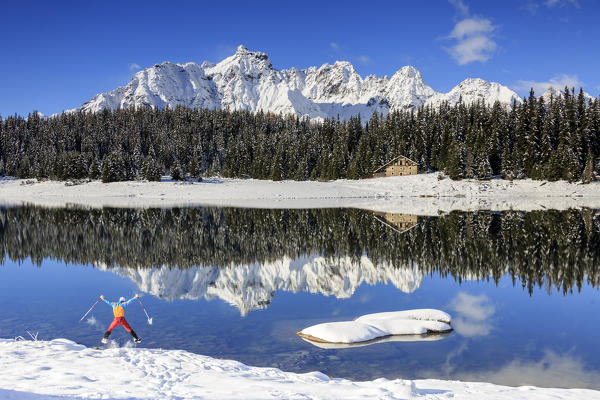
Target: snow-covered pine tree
(150, 169)
(588, 171)
(113, 167)
(455, 165)
(175, 171)
(94, 169)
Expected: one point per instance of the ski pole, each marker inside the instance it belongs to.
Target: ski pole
(89, 310)
(144, 308)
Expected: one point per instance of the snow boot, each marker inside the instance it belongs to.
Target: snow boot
(135, 337)
(105, 338)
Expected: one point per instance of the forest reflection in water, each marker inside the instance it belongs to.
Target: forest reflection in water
(556, 249)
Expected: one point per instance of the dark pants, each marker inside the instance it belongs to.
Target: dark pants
(119, 321)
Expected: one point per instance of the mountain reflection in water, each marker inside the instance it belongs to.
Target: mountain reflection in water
(250, 287)
(244, 255)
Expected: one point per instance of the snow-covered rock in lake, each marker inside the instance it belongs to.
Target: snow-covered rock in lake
(474, 90)
(247, 81)
(383, 339)
(372, 326)
(250, 287)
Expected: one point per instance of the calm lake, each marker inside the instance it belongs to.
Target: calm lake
(522, 287)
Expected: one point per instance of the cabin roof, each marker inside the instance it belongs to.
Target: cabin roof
(389, 162)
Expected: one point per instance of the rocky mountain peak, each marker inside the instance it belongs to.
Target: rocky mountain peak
(473, 90)
(343, 65)
(248, 63)
(243, 53)
(409, 71)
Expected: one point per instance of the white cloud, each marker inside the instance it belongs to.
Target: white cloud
(561, 3)
(557, 82)
(532, 7)
(474, 41)
(364, 59)
(473, 313)
(461, 7)
(473, 37)
(334, 45)
(471, 27)
(134, 67)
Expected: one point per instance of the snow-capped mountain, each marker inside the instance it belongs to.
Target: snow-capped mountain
(473, 90)
(553, 93)
(247, 80)
(251, 287)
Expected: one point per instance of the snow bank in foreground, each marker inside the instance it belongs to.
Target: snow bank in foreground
(61, 369)
(372, 326)
(422, 194)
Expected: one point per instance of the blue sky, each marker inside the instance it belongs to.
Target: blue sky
(57, 55)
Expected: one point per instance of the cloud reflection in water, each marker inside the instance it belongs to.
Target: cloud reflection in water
(552, 370)
(472, 314)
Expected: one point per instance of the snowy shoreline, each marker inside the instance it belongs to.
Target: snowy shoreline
(423, 194)
(61, 369)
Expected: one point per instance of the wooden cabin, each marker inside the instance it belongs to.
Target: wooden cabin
(399, 166)
(402, 222)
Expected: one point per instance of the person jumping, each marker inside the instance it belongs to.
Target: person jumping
(119, 312)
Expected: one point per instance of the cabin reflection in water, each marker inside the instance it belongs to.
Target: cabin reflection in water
(400, 222)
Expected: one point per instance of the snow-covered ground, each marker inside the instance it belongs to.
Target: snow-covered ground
(61, 369)
(422, 194)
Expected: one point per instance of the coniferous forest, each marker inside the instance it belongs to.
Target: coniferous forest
(556, 140)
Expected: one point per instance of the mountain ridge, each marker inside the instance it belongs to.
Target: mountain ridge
(247, 80)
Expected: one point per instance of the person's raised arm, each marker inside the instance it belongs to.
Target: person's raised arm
(131, 299)
(104, 300)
